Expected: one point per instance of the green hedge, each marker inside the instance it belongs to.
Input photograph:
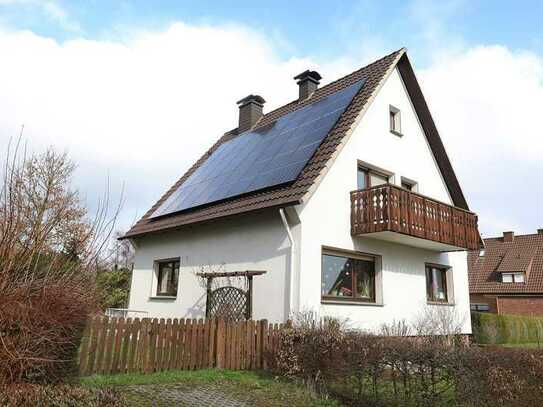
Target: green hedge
(498, 329)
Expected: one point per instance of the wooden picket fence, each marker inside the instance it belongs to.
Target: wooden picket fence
(118, 345)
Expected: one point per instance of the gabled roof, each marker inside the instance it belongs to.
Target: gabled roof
(523, 255)
(375, 75)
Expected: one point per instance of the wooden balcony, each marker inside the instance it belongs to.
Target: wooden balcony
(391, 213)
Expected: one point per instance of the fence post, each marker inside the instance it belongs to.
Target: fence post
(86, 346)
(264, 338)
(116, 350)
(220, 343)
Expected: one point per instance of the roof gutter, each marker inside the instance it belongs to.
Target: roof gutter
(291, 261)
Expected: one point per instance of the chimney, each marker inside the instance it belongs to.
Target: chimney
(250, 110)
(540, 231)
(308, 82)
(508, 237)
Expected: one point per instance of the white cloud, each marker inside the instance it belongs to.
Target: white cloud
(143, 109)
(486, 102)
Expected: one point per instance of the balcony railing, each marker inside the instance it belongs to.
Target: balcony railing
(388, 208)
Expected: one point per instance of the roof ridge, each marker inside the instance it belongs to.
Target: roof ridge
(516, 236)
(323, 88)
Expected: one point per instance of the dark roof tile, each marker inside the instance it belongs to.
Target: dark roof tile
(524, 254)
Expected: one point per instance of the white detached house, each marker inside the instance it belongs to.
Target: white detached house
(344, 200)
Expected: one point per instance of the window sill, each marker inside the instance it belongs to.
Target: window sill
(347, 302)
(396, 133)
(450, 304)
(163, 297)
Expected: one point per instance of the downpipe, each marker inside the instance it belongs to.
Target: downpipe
(291, 262)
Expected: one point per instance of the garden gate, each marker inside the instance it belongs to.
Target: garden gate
(229, 302)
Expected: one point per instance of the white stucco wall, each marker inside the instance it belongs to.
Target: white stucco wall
(256, 241)
(259, 240)
(325, 218)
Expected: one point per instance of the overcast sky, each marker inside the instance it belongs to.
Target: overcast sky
(127, 89)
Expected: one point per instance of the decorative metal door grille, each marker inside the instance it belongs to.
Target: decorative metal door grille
(229, 303)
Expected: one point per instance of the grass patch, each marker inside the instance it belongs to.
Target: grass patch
(170, 376)
(523, 345)
(263, 389)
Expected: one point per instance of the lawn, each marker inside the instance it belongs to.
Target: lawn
(257, 388)
(523, 345)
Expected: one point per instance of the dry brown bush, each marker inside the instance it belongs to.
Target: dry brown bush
(49, 250)
(302, 341)
(369, 370)
(30, 395)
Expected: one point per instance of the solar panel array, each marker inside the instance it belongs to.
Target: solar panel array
(263, 158)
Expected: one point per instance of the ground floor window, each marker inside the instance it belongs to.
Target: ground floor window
(436, 283)
(167, 278)
(480, 307)
(348, 277)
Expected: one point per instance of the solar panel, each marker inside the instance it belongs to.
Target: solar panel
(268, 156)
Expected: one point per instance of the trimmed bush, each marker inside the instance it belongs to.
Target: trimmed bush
(361, 369)
(498, 329)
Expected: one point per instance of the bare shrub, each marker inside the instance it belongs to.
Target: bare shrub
(310, 349)
(362, 369)
(441, 323)
(496, 376)
(25, 395)
(396, 328)
(49, 250)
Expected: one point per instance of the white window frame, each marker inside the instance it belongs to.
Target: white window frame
(513, 278)
(154, 282)
(333, 251)
(395, 120)
(449, 281)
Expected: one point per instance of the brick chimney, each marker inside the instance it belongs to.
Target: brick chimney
(508, 237)
(308, 82)
(250, 110)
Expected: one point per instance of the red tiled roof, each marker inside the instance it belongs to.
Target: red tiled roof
(293, 193)
(524, 254)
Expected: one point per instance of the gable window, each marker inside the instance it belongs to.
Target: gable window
(167, 278)
(395, 120)
(513, 277)
(367, 178)
(436, 283)
(348, 278)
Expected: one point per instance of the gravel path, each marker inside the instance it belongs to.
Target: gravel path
(180, 395)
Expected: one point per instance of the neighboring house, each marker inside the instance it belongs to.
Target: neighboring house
(345, 198)
(507, 276)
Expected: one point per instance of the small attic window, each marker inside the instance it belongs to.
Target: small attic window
(513, 277)
(481, 252)
(395, 120)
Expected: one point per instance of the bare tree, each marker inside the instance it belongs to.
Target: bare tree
(49, 249)
(442, 323)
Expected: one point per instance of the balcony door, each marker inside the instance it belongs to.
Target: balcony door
(367, 178)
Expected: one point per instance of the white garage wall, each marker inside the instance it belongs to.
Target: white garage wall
(325, 218)
(256, 241)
